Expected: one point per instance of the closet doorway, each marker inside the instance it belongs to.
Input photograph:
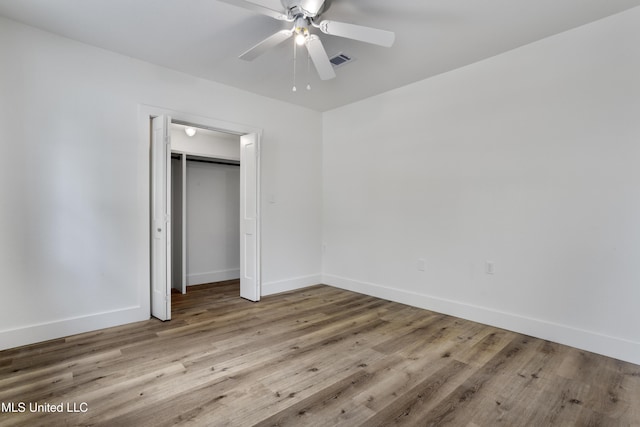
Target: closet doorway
(205, 199)
(162, 212)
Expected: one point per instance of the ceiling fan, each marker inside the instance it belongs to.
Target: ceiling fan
(305, 14)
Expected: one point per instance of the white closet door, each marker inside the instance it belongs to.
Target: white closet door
(160, 218)
(249, 244)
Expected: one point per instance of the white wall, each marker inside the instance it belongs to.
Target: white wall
(74, 224)
(213, 222)
(529, 160)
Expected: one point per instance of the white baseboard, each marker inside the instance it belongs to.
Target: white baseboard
(62, 328)
(271, 288)
(213, 276)
(606, 345)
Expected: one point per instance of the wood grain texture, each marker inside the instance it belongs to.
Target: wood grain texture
(314, 357)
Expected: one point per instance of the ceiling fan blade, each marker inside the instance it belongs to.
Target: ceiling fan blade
(269, 4)
(358, 32)
(266, 44)
(259, 8)
(319, 57)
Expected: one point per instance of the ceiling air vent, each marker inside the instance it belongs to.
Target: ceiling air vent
(340, 59)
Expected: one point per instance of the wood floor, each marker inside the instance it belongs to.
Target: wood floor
(314, 357)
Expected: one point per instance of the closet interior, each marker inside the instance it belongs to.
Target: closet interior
(205, 206)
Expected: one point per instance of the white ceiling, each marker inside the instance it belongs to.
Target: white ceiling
(204, 38)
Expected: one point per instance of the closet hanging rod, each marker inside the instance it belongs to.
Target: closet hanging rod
(208, 160)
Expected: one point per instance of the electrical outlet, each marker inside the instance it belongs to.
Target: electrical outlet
(421, 264)
(489, 267)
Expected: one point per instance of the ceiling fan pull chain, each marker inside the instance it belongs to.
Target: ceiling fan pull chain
(308, 70)
(295, 50)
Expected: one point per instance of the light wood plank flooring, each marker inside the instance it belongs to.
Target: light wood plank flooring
(318, 357)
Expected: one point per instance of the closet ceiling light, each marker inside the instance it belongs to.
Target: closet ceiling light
(190, 131)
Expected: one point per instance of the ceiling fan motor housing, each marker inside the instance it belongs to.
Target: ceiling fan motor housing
(305, 8)
(301, 25)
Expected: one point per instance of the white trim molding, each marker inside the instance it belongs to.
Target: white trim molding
(213, 276)
(606, 345)
(76, 325)
(271, 288)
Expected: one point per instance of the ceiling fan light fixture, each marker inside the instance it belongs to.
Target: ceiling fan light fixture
(301, 31)
(301, 39)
